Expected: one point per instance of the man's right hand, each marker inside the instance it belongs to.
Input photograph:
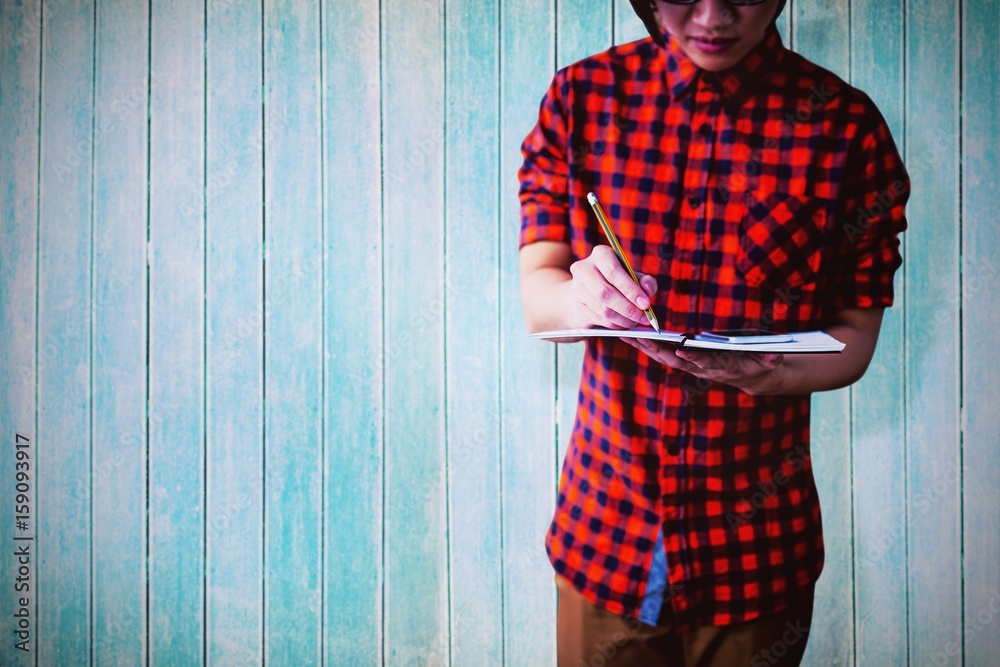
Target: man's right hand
(560, 293)
(603, 293)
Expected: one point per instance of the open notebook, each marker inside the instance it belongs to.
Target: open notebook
(800, 343)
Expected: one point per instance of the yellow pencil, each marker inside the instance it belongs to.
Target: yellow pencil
(606, 226)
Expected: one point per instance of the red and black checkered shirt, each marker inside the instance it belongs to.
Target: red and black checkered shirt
(766, 196)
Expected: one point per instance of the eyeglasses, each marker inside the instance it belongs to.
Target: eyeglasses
(738, 3)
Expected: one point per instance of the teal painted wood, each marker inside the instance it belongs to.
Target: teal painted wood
(448, 242)
(19, 83)
(627, 26)
(529, 450)
(176, 395)
(293, 503)
(64, 317)
(235, 328)
(980, 325)
(472, 293)
(877, 409)
(416, 614)
(785, 23)
(354, 363)
(932, 326)
(821, 33)
(176, 256)
(583, 28)
(117, 484)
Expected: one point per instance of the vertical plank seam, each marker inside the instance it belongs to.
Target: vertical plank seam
(850, 419)
(382, 198)
(958, 306)
(263, 330)
(146, 272)
(791, 24)
(322, 335)
(906, 358)
(204, 337)
(90, 342)
(38, 262)
(614, 11)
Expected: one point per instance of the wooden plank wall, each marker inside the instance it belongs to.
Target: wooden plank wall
(260, 323)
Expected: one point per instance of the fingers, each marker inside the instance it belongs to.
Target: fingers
(604, 293)
(603, 317)
(772, 360)
(732, 365)
(666, 354)
(706, 361)
(615, 274)
(648, 283)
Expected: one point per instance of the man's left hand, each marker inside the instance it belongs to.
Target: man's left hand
(753, 372)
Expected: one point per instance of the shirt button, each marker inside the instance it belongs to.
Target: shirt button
(694, 201)
(672, 448)
(705, 130)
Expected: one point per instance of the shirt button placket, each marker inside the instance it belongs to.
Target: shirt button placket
(704, 111)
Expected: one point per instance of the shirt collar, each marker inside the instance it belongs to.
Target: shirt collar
(734, 82)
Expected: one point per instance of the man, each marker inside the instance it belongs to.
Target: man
(750, 188)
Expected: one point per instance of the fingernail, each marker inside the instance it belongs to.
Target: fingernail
(642, 302)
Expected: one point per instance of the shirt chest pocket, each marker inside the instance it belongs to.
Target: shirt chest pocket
(782, 240)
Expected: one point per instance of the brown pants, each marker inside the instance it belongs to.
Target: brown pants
(590, 636)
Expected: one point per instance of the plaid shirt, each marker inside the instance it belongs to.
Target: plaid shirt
(769, 195)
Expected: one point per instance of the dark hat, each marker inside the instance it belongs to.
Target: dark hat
(647, 12)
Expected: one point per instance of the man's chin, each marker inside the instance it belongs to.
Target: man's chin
(713, 63)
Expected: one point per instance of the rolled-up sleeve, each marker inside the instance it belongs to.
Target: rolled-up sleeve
(866, 247)
(544, 174)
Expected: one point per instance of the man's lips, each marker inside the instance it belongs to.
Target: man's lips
(712, 45)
